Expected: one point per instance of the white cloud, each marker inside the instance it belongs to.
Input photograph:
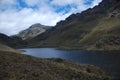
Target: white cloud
(13, 20)
(79, 4)
(31, 2)
(62, 2)
(95, 2)
(7, 4)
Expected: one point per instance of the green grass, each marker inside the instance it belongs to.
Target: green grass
(105, 30)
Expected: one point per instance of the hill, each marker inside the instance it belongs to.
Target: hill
(94, 29)
(13, 41)
(33, 31)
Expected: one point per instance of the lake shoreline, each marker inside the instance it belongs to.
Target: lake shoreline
(20, 66)
(72, 48)
(102, 59)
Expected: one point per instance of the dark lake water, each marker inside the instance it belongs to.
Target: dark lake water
(109, 61)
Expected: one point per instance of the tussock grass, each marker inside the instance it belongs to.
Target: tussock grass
(16, 66)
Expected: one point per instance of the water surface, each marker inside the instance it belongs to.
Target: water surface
(109, 61)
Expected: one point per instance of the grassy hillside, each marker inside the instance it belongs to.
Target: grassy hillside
(105, 36)
(13, 41)
(15, 66)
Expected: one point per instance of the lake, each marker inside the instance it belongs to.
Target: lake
(109, 61)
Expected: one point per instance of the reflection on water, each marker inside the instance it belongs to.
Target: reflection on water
(109, 61)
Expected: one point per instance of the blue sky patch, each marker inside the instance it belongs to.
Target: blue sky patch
(88, 2)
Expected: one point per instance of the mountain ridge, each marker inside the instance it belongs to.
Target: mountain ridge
(74, 31)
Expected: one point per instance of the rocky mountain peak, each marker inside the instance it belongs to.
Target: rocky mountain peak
(33, 30)
(37, 25)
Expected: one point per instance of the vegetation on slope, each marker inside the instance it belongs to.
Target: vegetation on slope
(105, 36)
(15, 66)
(13, 41)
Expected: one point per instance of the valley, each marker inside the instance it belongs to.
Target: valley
(84, 46)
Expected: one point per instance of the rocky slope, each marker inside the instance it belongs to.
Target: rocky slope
(33, 31)
(94, 29)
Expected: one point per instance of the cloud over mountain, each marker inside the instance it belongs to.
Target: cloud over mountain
(17, 15)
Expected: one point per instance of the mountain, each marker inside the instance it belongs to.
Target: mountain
(33, 31)
(13, 41)
(97, 28)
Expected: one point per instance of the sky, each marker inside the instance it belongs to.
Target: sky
(17, 15)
